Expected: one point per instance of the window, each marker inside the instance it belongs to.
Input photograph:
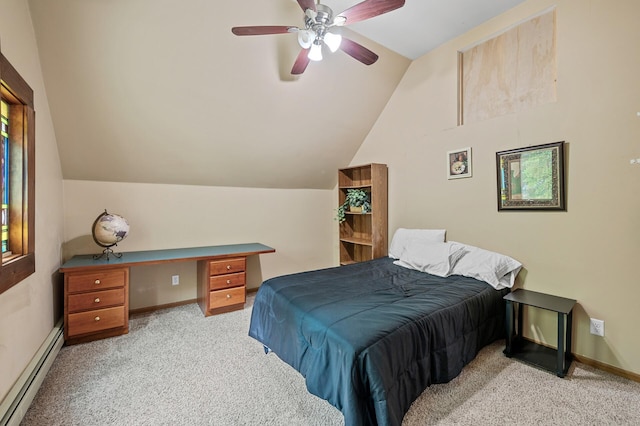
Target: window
(4, 158)
(18, 177)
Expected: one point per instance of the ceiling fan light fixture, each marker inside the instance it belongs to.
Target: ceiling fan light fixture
(315, 53)
(305, 38)
(339, 20)
(332, 41)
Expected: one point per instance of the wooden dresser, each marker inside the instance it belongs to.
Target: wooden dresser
(96, 291)
(96, 304)
(221, 285)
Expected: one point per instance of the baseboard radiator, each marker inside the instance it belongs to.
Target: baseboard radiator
(17, 401)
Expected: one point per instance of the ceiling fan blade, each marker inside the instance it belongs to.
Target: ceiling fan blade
(262, 30)
(368, 9)
(307, 4)
(301, 62)
(358, 51)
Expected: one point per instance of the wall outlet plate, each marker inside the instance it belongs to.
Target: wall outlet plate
(596, 326)
(175, 280)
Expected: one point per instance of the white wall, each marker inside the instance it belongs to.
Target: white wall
(27, 310)
(297, 223)
(588, 253)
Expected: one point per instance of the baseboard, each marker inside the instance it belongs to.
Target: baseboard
(17, 402)
(173, 305)
(606, 367)
(158, 307)
(596, 364)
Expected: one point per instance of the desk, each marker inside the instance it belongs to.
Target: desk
(557, 360)
(96, 291)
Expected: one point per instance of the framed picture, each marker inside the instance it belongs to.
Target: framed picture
(531, 178)
(459, 163)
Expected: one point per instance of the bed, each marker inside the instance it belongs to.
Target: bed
(370, 337)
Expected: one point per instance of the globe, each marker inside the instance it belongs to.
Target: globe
(109, 229)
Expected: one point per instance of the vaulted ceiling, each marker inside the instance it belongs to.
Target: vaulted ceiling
(161, 91)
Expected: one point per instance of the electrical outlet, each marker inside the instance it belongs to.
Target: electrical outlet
(175, 280)
(596, 327)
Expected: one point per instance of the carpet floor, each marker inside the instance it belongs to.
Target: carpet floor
(176, 367)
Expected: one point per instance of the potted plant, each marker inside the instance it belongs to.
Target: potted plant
(355, 199)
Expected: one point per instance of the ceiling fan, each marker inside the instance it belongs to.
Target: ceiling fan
(318, 23)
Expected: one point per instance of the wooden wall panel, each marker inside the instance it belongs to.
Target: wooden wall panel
(511, 72)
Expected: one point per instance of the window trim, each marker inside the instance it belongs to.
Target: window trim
(15, 90)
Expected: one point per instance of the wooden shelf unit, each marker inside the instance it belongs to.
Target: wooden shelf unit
(364, 236)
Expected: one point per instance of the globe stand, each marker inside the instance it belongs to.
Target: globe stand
(106, 253)
(106, 234)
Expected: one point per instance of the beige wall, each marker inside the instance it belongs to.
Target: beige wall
(203, 106)
(297, 223)
(27, 310)
(588, 253)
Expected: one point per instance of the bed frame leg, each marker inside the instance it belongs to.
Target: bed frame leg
(266, 349)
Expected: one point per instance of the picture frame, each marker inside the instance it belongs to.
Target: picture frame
(459, 163)
(531, 178)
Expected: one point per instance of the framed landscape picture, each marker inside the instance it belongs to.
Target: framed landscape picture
(531, 178)
(459, 163)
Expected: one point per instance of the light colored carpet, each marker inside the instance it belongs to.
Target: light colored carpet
(176, 367)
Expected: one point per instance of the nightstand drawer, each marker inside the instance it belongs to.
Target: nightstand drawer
(225, 281)
(227, 266)
(222, 298)
(96, 280)
(95, 300)
(97, 320)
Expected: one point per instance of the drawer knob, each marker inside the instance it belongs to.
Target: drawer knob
(228, 281)
(97, 281)
(97, 318)
(228, 296)
(97, 300)
(228, 267)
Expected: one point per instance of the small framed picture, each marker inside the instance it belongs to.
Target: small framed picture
(459, 163)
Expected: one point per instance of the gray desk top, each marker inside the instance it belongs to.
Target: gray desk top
(168, 255)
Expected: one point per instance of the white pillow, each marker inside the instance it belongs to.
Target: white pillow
(431, 257)
(498, 270)
(404, 236)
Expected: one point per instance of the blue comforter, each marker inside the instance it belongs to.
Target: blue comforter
(370, 337)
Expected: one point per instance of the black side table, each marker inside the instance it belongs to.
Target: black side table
(557, 360)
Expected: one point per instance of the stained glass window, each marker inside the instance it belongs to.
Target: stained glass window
(17, 176)
(4, 158)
